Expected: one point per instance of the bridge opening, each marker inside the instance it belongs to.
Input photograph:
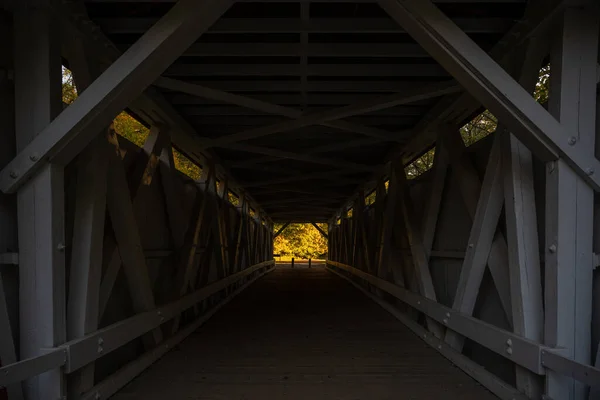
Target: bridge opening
(431, 168)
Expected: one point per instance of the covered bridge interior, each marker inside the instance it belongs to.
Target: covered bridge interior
(456, 267)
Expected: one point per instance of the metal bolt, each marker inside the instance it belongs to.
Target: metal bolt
(34, 157)
(471, 245)
(509, 350)
(97, 396)
(572, 140)
(445, 320)
(589, 171)
(100, 340)
(440, 346)
(552, 248)
(509, 342)
(100, 349)
(14, 175)
(419, 302)
(61, 247)
(448, 314)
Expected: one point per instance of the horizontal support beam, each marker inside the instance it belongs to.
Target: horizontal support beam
(207, 112)
(375, 50)
(524, 352)
(312, 87)
(587, 374)
(22, 370)
(327, 1)
(313, 99)
(296, 25)
(297, 178)
(258, 121)
(299, 157)
(391, 70)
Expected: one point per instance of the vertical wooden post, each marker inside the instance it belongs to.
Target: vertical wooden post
(309, 262)
(569, 199)
(292, 262)
(8, 213)
(41, 200)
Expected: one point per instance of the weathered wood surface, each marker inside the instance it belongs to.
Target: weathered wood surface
(303, 334)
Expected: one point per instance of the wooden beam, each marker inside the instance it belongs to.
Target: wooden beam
(320, 230)
(470, 188)
(424, 93)
(417, 250)
(281, 230)
(483, 230)
(522, 224)
(86, 254)
(254, 104)
(569, 198)
(298, 25)
(146, 163)
(492, 85)
(127, 235)
(299, 156)
(122, 82)
(40, 202)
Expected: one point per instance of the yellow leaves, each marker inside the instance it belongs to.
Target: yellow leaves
(185, 165)
(300, 240)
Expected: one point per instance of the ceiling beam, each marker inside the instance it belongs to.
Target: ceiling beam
(258, 105)
(375, 50)
(293, 85)
(364, 123)
(327, 1)
(124, 25)
(301, 157)
(264, 191)
(291, 99)
(114, 89)
(281, 230)
(424, 93)
(330, 147)
(492, 85)
(320, 230)
(298, 178)
(391, 70)
(235, 111)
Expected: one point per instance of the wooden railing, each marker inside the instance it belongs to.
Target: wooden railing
(533, 356)
(77, 353)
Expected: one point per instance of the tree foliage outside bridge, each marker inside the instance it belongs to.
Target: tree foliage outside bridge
(301, 241)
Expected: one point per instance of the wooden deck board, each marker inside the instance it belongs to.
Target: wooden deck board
(303, 334)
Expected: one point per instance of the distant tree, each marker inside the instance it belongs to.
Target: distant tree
(300, 240)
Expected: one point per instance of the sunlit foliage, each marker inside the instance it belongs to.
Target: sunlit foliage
(233, 199)
(301, 241)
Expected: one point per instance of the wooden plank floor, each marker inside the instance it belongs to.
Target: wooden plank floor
(303, 334)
